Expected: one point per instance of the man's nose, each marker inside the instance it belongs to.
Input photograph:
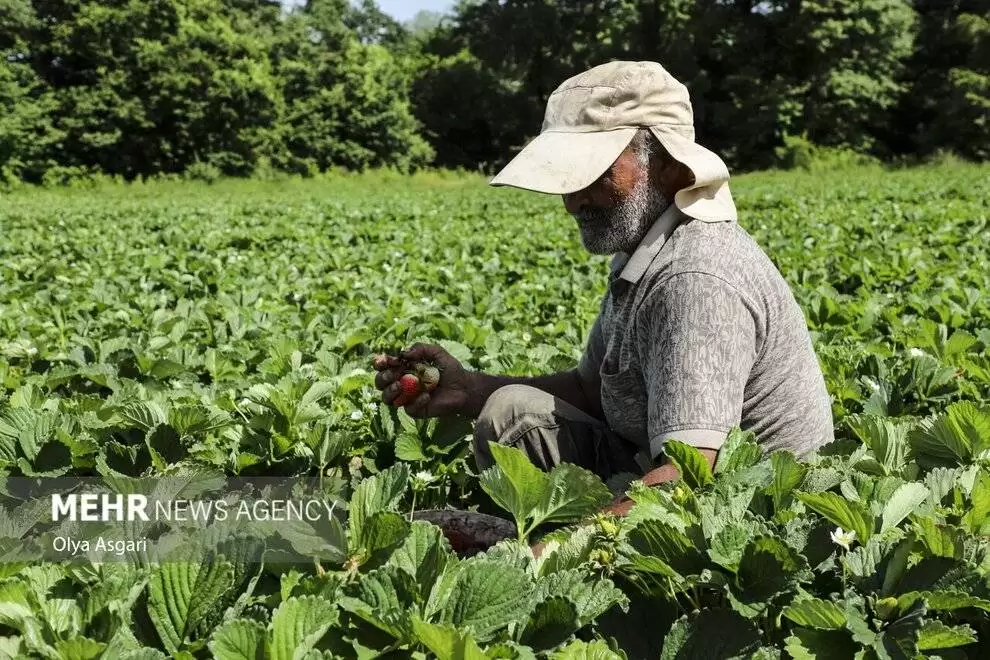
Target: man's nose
(575, 202)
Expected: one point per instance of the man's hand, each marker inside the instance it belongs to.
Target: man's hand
(452, 395)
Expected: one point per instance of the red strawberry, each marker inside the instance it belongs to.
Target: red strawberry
(409, 384)
(402, 400)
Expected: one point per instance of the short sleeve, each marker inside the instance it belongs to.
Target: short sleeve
(696, 341)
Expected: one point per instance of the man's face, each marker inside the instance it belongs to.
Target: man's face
(615, 212)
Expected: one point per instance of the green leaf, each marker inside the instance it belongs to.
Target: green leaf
(514, 483)
(943, 601)
(807, 644)
(446, 642)
(79, 648)
(885, 438)
(901, 504)
(654, 540)
(709, 635)
(590, 599)
(976, 517)
(572, 494)
(424, 555)
(788, 474)
(581, 650)
(727, 546)
(839, 511)
(384, 597)
(694, 468)
(298, 625)
(952, 437)
(936, 635)
(483, 594)
(551, 623)
(816, 613)
(380, 492)
(180, 593)
(940, 540)
(739, 452)
(768, 567)
(240, 639)
(408, 447)
(381, 534)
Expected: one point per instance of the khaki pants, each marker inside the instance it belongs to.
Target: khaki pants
(551, 431)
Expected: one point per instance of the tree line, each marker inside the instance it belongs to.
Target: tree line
(138, 88)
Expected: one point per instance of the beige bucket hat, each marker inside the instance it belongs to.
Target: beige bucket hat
(592, 117)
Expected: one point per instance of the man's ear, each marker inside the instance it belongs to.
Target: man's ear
(672, 175)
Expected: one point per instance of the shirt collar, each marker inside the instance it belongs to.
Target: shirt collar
(633, 267)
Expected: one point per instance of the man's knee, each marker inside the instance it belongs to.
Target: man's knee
(504, 406)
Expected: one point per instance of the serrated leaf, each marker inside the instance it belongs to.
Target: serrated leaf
(691, 465)
(739, 452)
(514, 483)
(408, 447)
(943, 601)
(816, 613)
(181, 592)
(590, 599)
(482, 594)
(581, 650)
(901, 504)
(79, 648)
(936, 635)
(380, 492)
(767, 567)
(654, 540)
(694, 637)
(381, 534)
(423, 555)
(841, 512)
(571, 494)
(788, 475)
(976, 517)
(384, 597)
(885, 438)
(297, 625)
(240, 639)
(446, 642)
(727, 545)
(808, 644)
(551, 623)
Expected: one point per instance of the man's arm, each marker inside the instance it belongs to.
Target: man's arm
(566, 385)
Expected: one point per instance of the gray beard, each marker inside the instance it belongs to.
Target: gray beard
(622, 228)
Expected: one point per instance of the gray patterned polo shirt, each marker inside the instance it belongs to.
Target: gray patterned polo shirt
(697, 333)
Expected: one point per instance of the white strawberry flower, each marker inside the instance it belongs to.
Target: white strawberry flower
(916, 352)
(424, 476)
(843, 538)
(356, 415)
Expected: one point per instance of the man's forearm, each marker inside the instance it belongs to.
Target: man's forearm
(565, 385)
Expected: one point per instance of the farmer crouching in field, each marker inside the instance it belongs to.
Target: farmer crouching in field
(697, 333)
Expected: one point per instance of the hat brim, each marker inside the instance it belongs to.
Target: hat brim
(560, 163)
(708, 198)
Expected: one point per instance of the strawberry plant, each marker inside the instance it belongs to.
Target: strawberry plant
(181, 335)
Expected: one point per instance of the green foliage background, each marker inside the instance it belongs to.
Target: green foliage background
(138, 88)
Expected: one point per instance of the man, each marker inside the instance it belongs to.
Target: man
(697, 333)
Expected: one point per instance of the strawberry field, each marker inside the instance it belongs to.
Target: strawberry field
(187, 331)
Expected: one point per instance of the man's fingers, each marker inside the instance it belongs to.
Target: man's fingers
(419, 406)
(390, 393)
(384, 378)
(419, 352)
